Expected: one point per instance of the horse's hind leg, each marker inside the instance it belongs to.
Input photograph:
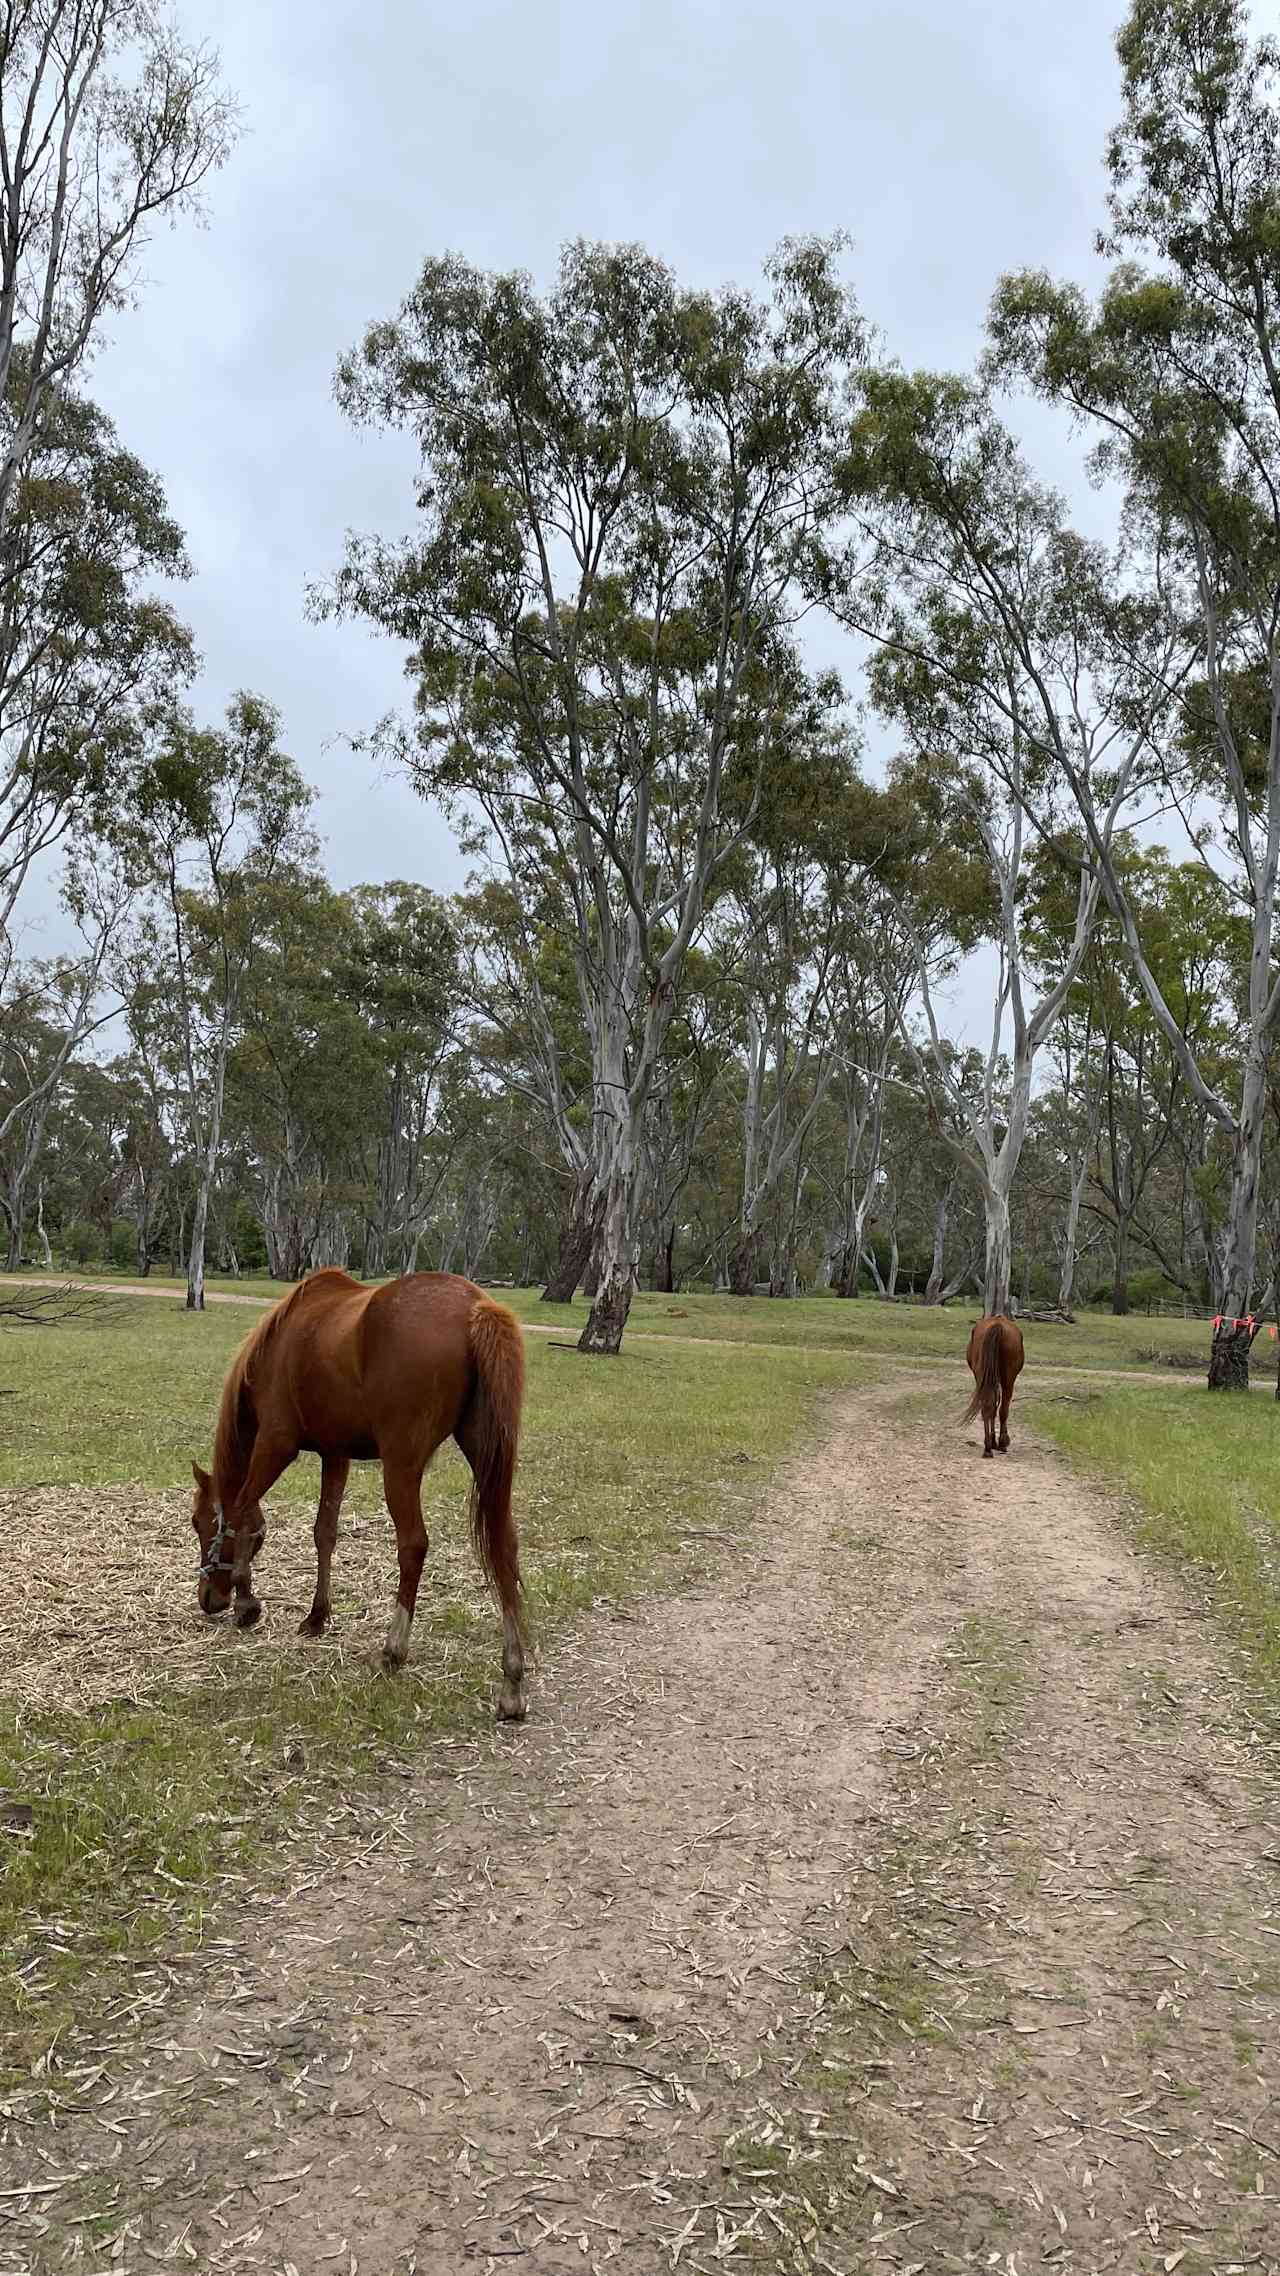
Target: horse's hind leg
(495, 1529)
(1003, 1441)
(402, 1488)
(333, 1485)
(988, 1433)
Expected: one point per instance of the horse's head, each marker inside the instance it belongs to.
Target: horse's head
(218, 1537)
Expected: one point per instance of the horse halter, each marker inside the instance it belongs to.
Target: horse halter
(219, 1557)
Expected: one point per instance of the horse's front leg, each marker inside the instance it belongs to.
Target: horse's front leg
(270, 1457)
(334, 1473)
(402, 1489)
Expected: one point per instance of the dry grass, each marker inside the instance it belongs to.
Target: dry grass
(99, 1606)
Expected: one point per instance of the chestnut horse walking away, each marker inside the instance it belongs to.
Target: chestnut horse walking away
(995, 1357)
(358, 1374)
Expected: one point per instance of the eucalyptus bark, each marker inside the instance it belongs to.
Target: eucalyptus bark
(46, 1253)
(611, 1303)
(1232, 1343)
(664, 1275)
(937, 1270)
(998, 1277)
(577, 1237)
(1071, 1237)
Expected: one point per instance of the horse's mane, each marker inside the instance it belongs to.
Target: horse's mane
(236, 1422)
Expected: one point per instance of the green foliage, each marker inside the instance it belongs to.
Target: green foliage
(86, 646)
(81, 1242)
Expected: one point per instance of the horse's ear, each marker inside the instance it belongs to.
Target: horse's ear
(202, 1478)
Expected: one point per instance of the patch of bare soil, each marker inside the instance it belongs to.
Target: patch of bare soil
(908, 1899)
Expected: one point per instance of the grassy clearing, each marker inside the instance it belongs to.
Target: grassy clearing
(1137, 1344)
(889, 1331)
(1202, 1471)
(116, 1824)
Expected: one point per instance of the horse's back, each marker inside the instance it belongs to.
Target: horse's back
(417, 1367)
(355, 1369)
(1008, 1341)
(438, 1305)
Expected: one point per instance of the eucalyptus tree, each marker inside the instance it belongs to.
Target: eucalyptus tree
(787, 917)
(986, 1130)
(402, 981)
(86, 651)
(872, 982)
(1175, 369)
(98, 890)
(305, 1074)
(85, 645)
(619, 482)
(109, 122)
(520, 977)
(874, 978)
(696, 1060)
(1016, 659)
(219, 813)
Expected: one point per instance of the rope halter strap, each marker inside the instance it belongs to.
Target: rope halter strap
(220, 1556)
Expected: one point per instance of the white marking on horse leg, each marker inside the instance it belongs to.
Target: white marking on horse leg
(396, 1649)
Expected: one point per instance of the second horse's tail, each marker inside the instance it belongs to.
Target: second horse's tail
(986, 1384)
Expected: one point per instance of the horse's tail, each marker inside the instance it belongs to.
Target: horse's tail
(496, 1343)
(986, 1375)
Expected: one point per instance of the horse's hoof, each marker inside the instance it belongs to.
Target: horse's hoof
(249, 1613)
(392, 1661)
(987, 1452)
(512, 1707)
(314, 1624)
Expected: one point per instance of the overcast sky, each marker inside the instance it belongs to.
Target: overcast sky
(952, 141)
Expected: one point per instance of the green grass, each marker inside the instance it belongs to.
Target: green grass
(128, 1396)
(1203, 1473)
(140, 1803)
(867, 1325)
(890, 1331)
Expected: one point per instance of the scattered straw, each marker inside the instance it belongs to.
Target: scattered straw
(99, 1591)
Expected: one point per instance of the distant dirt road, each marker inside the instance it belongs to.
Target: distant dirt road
(562, 1329)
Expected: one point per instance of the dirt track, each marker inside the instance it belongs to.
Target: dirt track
(907, 1900)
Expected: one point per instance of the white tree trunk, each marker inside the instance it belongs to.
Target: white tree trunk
(208, 1171)
(1232, 1339)
(615, 1251)
(937, 1271)
(1070, 1237)
(999, 1268)
(46, 1253)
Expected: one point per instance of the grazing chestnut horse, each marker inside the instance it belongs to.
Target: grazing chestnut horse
(995, 1357)
(358, 1374)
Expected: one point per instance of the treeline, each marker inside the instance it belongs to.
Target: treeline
(379, 1107)
(690, 1020)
